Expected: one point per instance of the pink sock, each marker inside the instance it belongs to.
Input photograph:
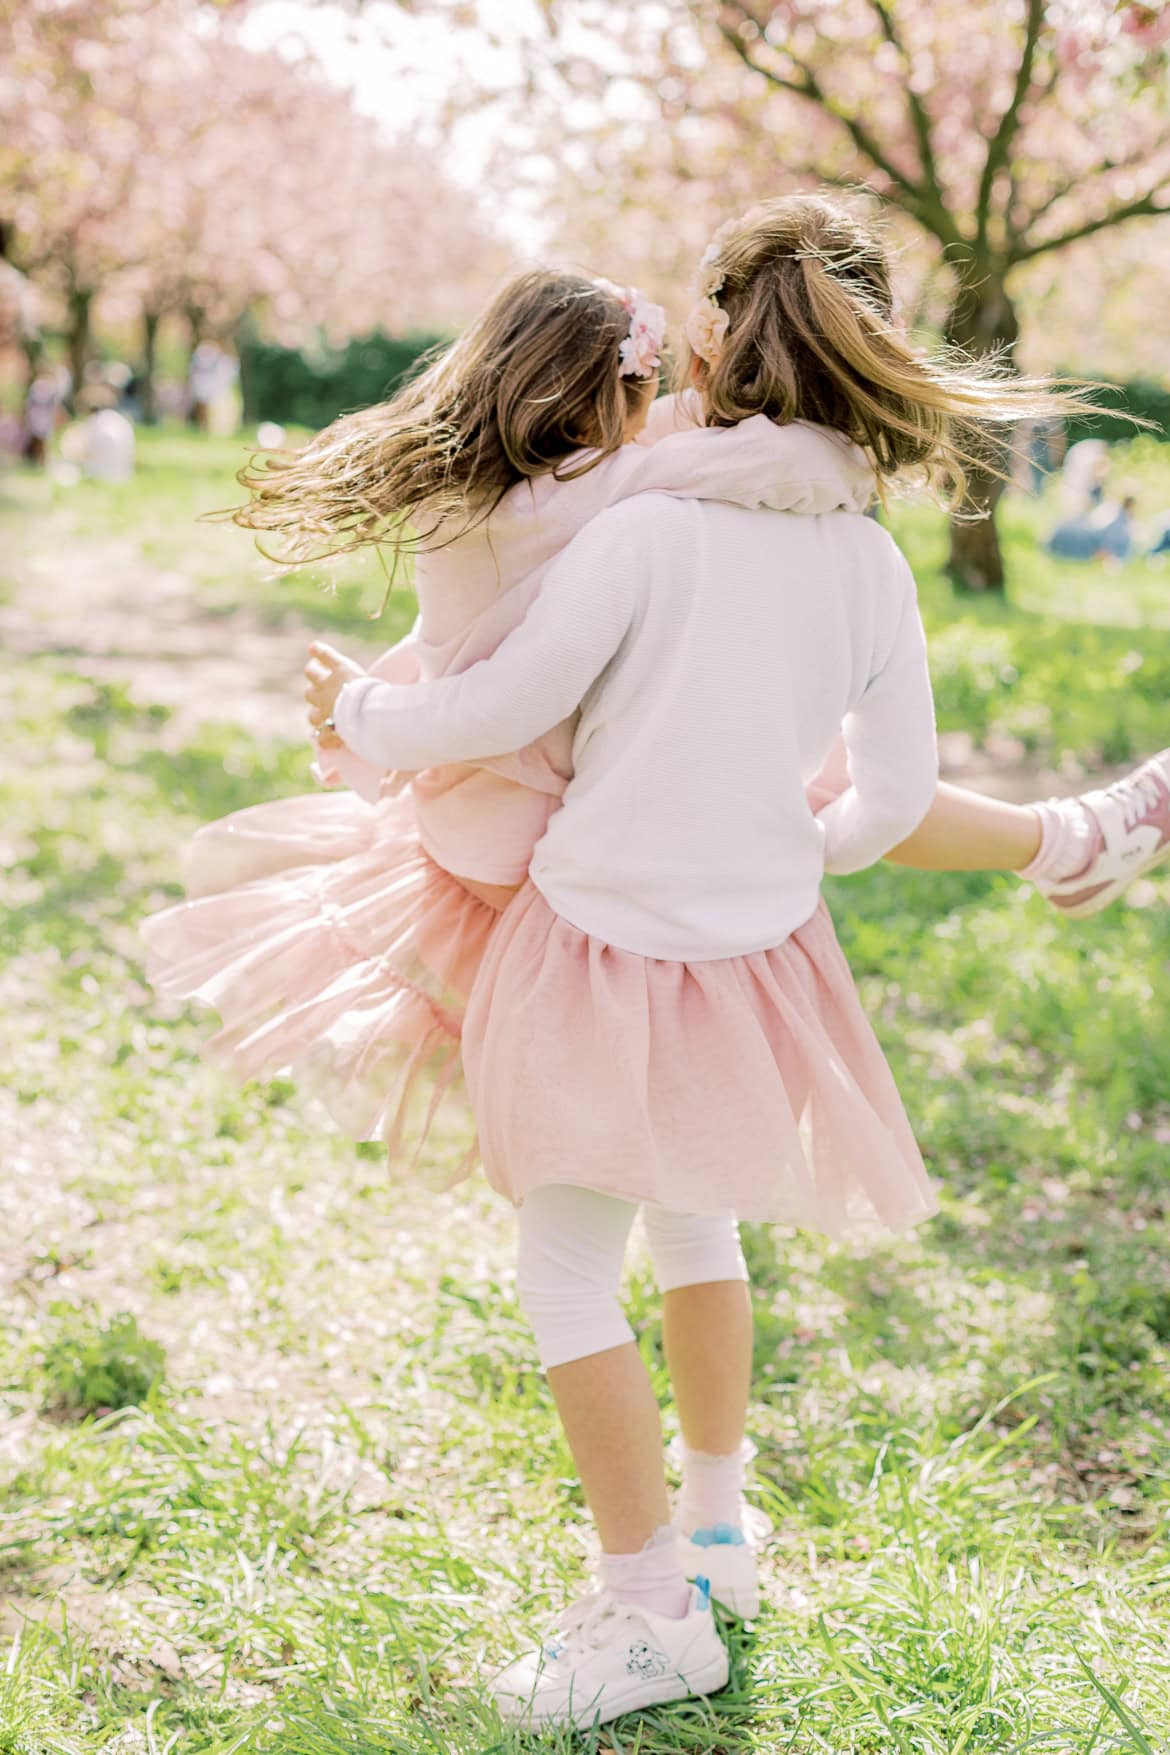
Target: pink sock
(652, 1578)
(1070, 838)
(712, 1487)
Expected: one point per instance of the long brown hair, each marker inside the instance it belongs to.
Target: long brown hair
(805, 282)
(529, 384)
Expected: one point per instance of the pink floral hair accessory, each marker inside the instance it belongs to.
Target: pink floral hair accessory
(705, 328)
(710, 276)
(641, 351)
(707, 324)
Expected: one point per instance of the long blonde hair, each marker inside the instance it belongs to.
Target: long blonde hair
(811, 335)
(529, 384)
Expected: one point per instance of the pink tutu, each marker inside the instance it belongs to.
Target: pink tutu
(333, 948)
(686, 1084)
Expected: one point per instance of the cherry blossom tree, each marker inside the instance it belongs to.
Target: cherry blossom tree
(151, 155)
(301, 217)
(77, 126)
(1006, 133)
(1000, 135)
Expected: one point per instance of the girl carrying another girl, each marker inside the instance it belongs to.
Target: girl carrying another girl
(665, 1000)
(338, 934)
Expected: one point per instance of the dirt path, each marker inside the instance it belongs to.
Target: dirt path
(117, 618)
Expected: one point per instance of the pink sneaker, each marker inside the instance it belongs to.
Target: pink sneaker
(1134, 818)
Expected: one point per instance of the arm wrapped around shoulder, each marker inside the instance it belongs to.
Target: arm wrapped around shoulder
(533, 680)
(892, 750)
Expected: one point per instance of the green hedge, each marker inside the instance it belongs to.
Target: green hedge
(310, 386)
(1141, 396)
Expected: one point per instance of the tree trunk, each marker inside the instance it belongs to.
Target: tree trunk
(33, 348)
(80, 302)
(981, 321)
(245, 336)
(197, 412)
(196, 323)
(975, 561)
(149, 395)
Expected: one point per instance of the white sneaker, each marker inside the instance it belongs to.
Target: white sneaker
(1134, 818)
(727, 1556)
(607, 1657)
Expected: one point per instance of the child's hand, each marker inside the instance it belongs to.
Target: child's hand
(326, 674)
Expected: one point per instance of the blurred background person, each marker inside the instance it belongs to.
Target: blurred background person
(44, 409)
(210, 384)
(1084, 476)
(1104, 533)
(1041, 451)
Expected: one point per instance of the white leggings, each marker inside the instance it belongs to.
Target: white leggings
(569, 1265)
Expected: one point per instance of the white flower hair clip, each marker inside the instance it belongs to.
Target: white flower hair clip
(710, 278)
(706, 323)
(641, 351)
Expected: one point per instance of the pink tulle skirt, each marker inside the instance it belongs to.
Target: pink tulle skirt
(335, 950)
(753, 1082)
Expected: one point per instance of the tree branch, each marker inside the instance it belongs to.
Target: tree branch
(1000, 145)
(916, 198)
(918, 115)
(1144, 207)
(1082, 183)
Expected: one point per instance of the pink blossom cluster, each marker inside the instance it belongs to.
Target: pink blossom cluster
(1002, 131)
(126, 189)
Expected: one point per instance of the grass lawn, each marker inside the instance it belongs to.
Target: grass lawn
(278, 1471)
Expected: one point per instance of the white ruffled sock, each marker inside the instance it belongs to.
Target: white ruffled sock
(652, 1578)
(712, 1487)
(1070, 838)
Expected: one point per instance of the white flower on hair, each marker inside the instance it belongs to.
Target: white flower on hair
(710, 278)
(705, 329)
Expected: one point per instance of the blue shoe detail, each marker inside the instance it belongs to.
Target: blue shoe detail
(719, 1535)
(703, 1586)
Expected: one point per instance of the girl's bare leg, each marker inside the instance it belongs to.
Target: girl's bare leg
(570, 1249)
(962, 831)
(611, 1419)
(965, 831)
(707, 1339)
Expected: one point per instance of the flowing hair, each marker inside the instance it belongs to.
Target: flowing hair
(533, 381)
(810, 334)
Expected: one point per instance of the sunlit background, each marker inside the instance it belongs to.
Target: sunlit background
(278, 1472)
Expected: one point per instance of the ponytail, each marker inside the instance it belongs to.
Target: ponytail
(811, 335)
